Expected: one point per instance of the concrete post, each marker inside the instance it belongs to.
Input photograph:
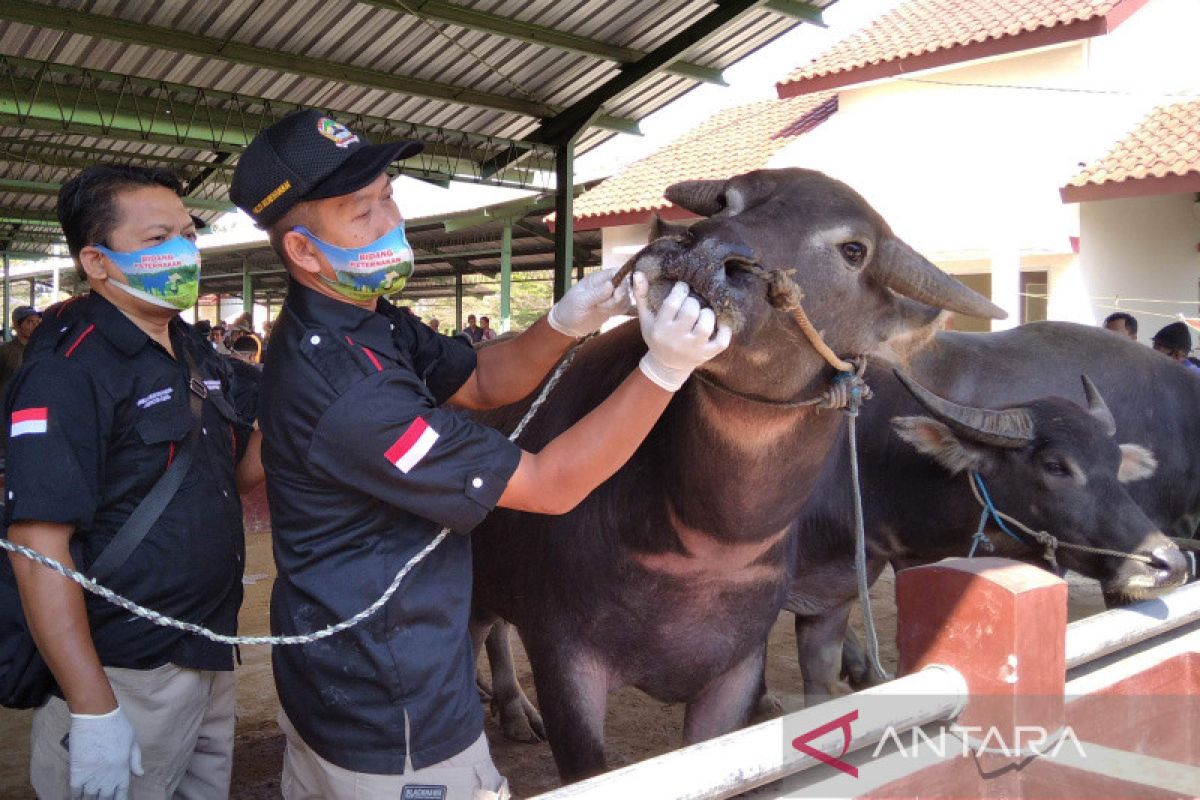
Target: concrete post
(1002, 625)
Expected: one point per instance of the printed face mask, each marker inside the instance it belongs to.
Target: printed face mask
(365, 273)
(167, 274)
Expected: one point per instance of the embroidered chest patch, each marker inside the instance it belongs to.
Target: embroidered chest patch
(155, 397)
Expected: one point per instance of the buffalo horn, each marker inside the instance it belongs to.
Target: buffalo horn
(907, 272)
(1011, 427)
(1097, 407)
(699, 197)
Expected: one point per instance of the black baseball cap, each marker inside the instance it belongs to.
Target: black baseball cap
(22, 313)
(1175, 336)
(307, 155)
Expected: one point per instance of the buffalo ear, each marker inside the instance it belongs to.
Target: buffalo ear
(1137, 463)
(661, 229)
(936, 440)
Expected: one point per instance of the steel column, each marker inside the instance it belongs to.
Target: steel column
(7, 288)
(506, 276)
(248, 291)
(564, 216)
(458, 295)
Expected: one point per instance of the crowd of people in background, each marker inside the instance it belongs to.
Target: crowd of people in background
(1173, 340)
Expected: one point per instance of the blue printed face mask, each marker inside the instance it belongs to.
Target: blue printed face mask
(167, 274)
(365, 273)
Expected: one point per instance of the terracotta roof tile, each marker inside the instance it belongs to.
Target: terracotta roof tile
(1164, 144)
(734, 141)
(920, 27)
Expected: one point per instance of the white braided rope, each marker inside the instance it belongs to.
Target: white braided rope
(303, 638)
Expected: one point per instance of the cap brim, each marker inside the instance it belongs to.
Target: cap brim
(365, 165)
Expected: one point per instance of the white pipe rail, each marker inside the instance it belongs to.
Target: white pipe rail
(755, 756)
(1105, 633)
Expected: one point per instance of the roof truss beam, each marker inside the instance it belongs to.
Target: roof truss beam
(49, 188)
(70, 100)
(797, 10)
(499, 25)
(568, 123)
(105, 27)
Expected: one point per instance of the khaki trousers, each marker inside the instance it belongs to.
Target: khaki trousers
(470, 775)
(183, 720)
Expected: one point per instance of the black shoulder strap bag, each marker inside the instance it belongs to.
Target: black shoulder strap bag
(25, 680)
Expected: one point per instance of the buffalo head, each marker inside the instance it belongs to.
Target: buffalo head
(862, 286)
(1057, 468)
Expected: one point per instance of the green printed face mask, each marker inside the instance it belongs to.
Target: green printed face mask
(167, 274)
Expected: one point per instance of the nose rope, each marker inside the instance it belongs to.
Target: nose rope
(1049, 542)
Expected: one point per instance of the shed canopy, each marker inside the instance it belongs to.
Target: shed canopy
(501, 92)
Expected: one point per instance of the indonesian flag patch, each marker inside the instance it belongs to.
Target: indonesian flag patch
(28, 420)
(412, 445)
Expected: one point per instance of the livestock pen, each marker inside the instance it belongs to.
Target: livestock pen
(999, 697)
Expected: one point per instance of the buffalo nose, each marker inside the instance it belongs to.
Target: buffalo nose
(720, 252)
(1170, 560)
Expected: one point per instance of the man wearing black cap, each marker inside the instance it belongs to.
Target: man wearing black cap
(365, 465)
(24, 321)
(1175, 341)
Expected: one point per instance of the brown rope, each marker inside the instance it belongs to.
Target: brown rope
(783, 293)
(1048, 541)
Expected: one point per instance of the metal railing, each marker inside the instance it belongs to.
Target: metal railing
(1105, 633)
(762, 754)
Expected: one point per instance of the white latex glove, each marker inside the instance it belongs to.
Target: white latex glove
(104, 751)
(589, 304)
(680, 336)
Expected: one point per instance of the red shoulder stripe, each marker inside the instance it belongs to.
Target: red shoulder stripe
(82, 336)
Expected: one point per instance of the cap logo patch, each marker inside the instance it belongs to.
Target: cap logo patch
(273, 196)
(336, 132)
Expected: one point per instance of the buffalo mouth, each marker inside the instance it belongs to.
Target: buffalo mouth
(1137, 580)
(720, 276)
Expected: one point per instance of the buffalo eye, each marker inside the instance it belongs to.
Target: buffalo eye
(1056, 468)
(855, 253)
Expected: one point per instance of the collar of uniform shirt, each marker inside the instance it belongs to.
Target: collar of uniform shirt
(370, 328)
(119, 330)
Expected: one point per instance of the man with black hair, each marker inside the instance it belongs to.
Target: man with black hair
(365, 464)
(1175, 342)
(1122, 323)
(116, 391)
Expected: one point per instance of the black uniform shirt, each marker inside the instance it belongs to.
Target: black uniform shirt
(363, 469)
(93, 420)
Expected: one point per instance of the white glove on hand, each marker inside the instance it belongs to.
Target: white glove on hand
(679, 335)
(104, 751)
(589, 304)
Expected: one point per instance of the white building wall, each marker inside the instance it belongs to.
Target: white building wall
(1138, 250)
(620, 242)
(966, 162)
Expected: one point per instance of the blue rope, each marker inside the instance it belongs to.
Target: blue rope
(989, 510)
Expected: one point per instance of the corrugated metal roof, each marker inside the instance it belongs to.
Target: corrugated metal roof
(511, 85)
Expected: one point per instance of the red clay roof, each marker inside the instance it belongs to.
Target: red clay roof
(736, 140)
(1161, 155)
(923, 34)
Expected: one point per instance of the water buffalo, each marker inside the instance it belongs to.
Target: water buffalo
(918, 505)
(670, 575)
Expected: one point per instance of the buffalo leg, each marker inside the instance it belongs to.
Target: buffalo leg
(572, 690)
(726, 703)
(480, 628)
(519, 719)
(819, 651)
